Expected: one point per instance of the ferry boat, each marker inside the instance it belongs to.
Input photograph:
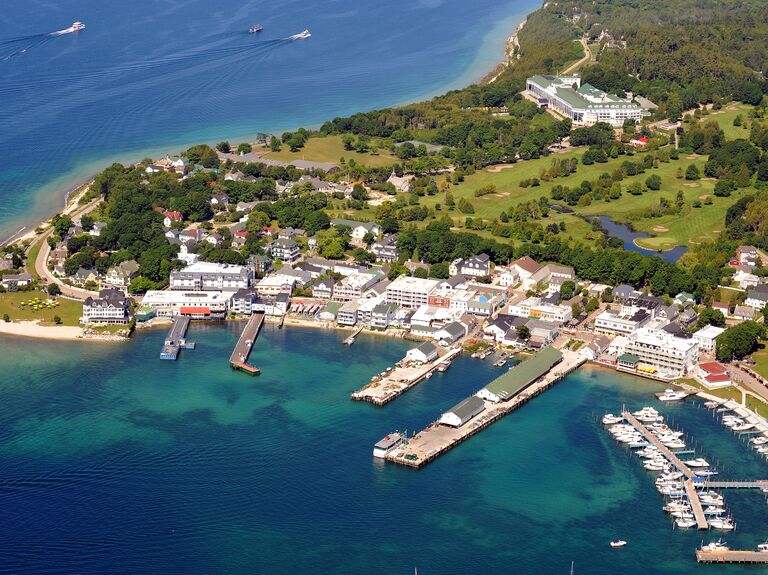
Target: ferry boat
(255, 28)
(387, 444)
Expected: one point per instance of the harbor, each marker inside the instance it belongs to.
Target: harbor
(239, 358)
(731, 556)
(505, 394)
(408, 372)
(176, 340)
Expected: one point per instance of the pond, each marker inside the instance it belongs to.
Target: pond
(628, 236)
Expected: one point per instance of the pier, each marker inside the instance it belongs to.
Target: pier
(706, 556)
(176, 339)
(528, 382)
(651, 438)
(351, 339)
(239, 358)
(402, 378)
(698, 511)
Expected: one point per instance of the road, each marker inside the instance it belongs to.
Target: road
(576, 65)
(41, 263)
(749, 380)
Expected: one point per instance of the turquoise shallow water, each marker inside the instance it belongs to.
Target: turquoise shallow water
(116, 462)
(148, 77)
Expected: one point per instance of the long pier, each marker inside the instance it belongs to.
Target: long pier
(175, 340)
(650, 437)
(351, 339)
(400, 380)
(239, 358)
(706, 556)
(698, 511)
(437, 439)
(759, 484)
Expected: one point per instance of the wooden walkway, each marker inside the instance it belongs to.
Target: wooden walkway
(759, 484)
(650, 437)
(239, 357)
(703, 556)
(698, 512)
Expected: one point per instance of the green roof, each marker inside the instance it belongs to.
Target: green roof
(525, 373)
(629, 358)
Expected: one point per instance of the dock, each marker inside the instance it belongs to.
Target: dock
(759, 484)
(651, 438)
(176, 339)
(706, 556)
(698, 511)
(437, 439)
(239, 358)
(402, 378)
(351, 339)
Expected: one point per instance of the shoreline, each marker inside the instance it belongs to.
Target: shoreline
(71, 184)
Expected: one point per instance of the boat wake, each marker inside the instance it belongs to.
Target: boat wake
(11, 47)
(300, 36)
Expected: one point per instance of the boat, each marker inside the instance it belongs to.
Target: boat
(76, 27)
(618, 543)
(671, 395)
(685, 523)
(698, 462)
(743, 427)
(763, 547)
(444, 366)
(725, 524)
(255, 28)
(718, 545)
(349, 341)
(705, 473)
(300, 36)
(387, 444)
(611, 419)
(759, 440)
(711, 404)
(428, 375)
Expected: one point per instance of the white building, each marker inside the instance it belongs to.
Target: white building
(170, 303)
(110, 307)
(584, 104)
(275, 284)
(476, 266)
(425, 353)
(533, 307)
(611, 322)
(508, 277)
(706, 337)
(209, 276)
(675, 356)
(353, 286)
(463, 412)
(410, 292)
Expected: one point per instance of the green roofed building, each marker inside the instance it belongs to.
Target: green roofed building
(521, 376)
(583, 103)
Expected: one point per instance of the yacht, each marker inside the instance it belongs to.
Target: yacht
(743, 427)
(763, 547)
(685, 523)
(682, 514)
(676, 444)
(705, 473)
(711, 404)
(76, 27)
(255, 28)
(761, 440)
(698, 462)
(300, 36)
(611, 419)
(618, 543)
(715, 499)
(712, 510)
(654, 465)
(387, 444)
(671, 395)
(725, 524)
(718, 545)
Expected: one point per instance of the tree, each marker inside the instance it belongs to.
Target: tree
(53, 290)
(368, 239)
(724, 188)
(653, 182)
(140, 285)
(57, 320)
(420, 273)
(465, 207)
(349, 142)
(6, 318)
(710, 316)
(567, 289)
(523, 332)
(439, 270)
(246, 148)
(61, 223)
(738, 341)
(86, 222)
(274, 144)
(692, 172)
(224, 147)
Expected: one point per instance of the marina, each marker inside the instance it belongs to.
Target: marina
(176, 339)
(239, 358)
(505, 394)
(729, 556)
(407, 373)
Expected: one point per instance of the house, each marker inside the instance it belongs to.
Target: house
(713, 375)
(401, 183)
(595, 349)
(747, 256)
(120, 276)
(284, 249)
(358, 229)
(290, 233)
(497, 327)
(744, 277)
(706, 337)
(169, 217)
(209, 276)
(757, 297)
(191, 235)
(97, 228)
(461, 413)
(313, 271)
(347, 314)
(687, 317)
(83, 276)
(623, 292)
(524, 267)
(240, 237)
(330, 311)
(424, 353)
(323, 289)
(508, 277)
(245, 206)
(386, 249)
(260, 263)
(684, 299)
(537, 308)
(383, 315)
(476, 266)
(353, 286)
(722, 307)
(12, 282)
(744, 313)
(220, 200)
(542, 332)
(214, 238)
(110, 307)
(450, 333)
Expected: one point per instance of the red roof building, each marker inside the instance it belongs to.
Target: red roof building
(713, 374)
(195, 311)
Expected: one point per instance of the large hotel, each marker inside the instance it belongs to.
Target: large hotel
(584, 104)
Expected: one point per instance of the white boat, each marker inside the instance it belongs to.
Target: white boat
(763, 547)
(300, 36)
(718, 545)
(671, 395)
(711, 404)
(654, 466)
(685, 523)
(611, 419)
(682, 514)
(726, 524)
(705, 473)
(676, 444)
(712, 510)
(76, 27)
(618, 543)
(716, 499)
(743, 427)
(387, 444)
(761, 440)
(698, 462)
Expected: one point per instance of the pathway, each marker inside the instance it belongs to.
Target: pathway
(576, 65)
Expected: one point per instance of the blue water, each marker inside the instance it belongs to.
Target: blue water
(621, 231)
(116, 462)
(150, 76)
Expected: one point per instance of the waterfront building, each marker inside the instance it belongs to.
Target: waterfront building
(476, 266)
(383, 315)
(583, 103)
(209, 276)
(353, 286)
(323, 289)
(110, 307)
(347, 314)
(386, 249)
(713, 375)
(612, 322)
(285, 249)
(365, 309)
(247, 301)
(275, 284)
(520, 376)
(461, 413)
(542, 332)
(675, 356)
(450, 333)
(410, 292)
(706, 337)
(168, 303)
(424, 353)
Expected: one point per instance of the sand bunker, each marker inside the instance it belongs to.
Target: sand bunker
(499, 168)
(660, 229)
(692, 185)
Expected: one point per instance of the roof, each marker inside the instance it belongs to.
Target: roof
(353, 224)
(629, 358)
(528, 264)
(427, 348)
(525, 373)
(468, 408)
(455, 329)
(195, 310)
(713, 367)
(709, 332)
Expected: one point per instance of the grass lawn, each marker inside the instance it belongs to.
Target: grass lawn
(11, 303)
(731, 393)
(725, 117)
(761, 361)
(33, 252)
(330, 149)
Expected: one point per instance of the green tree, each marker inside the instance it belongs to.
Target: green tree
(567, 289)
(692, 172)
(246, 148)
(653, 182)
(140, 285)
(57, 320)
(523, 332)
(710, 316)
(274, 144)
(224, 147)
(53, 290)
(6, 318)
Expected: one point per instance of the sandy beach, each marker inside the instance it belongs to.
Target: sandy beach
(34, 329)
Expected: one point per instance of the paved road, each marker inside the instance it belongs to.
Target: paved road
(41, 263)
(749, 380)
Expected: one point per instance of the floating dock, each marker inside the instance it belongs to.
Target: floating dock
(400, 379)
(351, 339)
(523, 383)
(176, 339)
(239, 358)
(706, 556)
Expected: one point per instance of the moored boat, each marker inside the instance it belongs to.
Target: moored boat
(387, 444)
